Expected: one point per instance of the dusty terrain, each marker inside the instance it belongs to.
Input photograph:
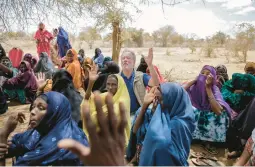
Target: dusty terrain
(183, 65)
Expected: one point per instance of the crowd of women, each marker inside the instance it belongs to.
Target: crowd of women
(89, 111)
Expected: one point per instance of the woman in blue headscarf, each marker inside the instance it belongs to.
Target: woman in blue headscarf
(165, 133)
(51, 118)
(63, 42)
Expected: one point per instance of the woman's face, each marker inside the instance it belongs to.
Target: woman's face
(112, 85)
(23, 67)
(38, 111)
(69, 57)
(6, 62)
(205, 72)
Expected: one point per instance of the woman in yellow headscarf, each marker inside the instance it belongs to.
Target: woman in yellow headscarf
(116, 86)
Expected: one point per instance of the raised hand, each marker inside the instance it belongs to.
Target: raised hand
(40, 79)
(108, 144)
(148, 59)
(93, 75)
(150, 96)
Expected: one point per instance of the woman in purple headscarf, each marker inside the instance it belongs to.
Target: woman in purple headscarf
(23, 86)
(212, 112)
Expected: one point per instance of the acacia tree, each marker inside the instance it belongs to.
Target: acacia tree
(219, 38)
(164, 34)
(245, 37)
(108, 13)
(90, 35)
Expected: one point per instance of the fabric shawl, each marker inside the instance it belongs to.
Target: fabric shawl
(121, 95)
(238, 101)
(57, 124)
(198, 95)
(45, 66)
(25, 80)
(244, 122)
(63, 83)
(63, 42)
(138, 138)
(74, 68)
(169, 135)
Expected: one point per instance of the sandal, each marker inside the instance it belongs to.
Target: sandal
(210, 149)
(199, 162)
(202, 155)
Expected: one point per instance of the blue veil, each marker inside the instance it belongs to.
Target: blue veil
(38, 147)
(169, 135)
(63, 42)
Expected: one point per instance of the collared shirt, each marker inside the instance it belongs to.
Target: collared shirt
(130, 86)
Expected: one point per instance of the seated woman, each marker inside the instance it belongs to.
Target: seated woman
(81, 56)
(51, 118)
(74, 68)
(249, 68)
(239, 91)
(165, 134)
(31, 59)
(100, 84)
(115, 86)
(140, 125)
(23, 86)
(2, 52)
(222, 75)
(248, 156)
(212, 112)
(7, 70)
(45, 66)
(98, 58)
(240, 129)
(62, 82)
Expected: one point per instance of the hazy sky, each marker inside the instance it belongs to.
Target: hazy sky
(189, 17)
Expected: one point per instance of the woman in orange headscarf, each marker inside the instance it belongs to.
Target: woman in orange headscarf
(74, 68)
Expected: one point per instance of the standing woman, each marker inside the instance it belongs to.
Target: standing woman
(43, 38)
(63, 42)
(222, 75)
(211, 111)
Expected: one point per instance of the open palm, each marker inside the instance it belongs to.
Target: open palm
(40, 79)
(148, 59)
(93, 75)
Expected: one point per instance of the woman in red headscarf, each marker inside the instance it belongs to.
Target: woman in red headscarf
(43, 38)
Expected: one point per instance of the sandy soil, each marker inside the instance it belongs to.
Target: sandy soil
(183, 65)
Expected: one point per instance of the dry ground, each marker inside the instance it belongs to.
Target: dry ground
(184, 66)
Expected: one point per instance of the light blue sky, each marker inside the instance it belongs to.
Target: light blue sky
(189, 17)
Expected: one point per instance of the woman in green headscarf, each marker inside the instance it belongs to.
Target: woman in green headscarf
(239, 91)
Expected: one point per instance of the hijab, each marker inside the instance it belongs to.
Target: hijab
(63, 83)
(32, 60)
(74, 68)
(169, 135)
(199, 96)
(142, 66)
(63, 42)
(45, 66)
(121, 95)
(40, 148)
(250, 67)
